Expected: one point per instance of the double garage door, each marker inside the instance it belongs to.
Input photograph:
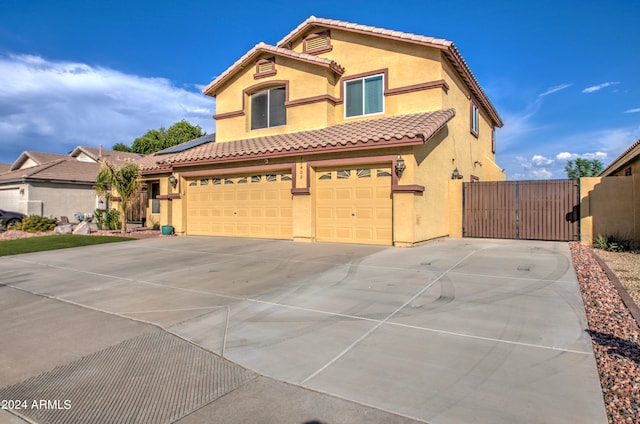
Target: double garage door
(351, 206)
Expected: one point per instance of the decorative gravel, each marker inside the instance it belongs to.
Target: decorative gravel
(615, 336)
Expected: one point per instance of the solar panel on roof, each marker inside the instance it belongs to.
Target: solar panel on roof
(209, 138)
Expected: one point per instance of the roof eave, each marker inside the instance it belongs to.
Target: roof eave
(212, 89)
(621, 161)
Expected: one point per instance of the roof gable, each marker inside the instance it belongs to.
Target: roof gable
(213, 88)
(29, 159)
(447, 47)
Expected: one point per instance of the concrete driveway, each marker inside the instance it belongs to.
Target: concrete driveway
(197, 330)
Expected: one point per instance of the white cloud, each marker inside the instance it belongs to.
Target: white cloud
(539, 160)
(636, 110)
(55, 106)
(565, 156)
(599, 87)
(554, 89)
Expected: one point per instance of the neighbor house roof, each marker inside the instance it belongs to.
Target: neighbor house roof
(374, 133)
(625, 158)
(99, 154)
(212, 88)
(4, 167)
(37, 157)
(448, 48)
(65, 169)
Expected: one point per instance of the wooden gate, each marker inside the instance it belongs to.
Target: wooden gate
(526, 210)
(138, 208)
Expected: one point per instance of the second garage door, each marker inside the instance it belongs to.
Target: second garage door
(354, 205)
(241, 206)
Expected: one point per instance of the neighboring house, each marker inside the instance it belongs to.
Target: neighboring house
(339, 133)
(628, 163)
(610, 202)
(56, 185)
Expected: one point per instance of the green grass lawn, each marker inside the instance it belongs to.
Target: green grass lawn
(53, 242)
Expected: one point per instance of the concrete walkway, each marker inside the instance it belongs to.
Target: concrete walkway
(198, 330)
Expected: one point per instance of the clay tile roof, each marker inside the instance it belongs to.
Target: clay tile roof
(210, 89)
(381, 132)
(449, 49)
(622, 160)
(313, 21)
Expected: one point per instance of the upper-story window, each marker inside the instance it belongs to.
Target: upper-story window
(267, 108)
(475, 123)
(364, 96)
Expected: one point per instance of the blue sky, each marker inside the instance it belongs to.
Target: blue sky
(563, 75)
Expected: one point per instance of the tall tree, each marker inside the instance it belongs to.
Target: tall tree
(162, 138)
(124, 181)
(121, 147)
(583, 168)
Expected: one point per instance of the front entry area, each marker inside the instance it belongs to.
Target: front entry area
(354, 205)
(257, 205)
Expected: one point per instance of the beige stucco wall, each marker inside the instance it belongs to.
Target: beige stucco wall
(610, 206)
(53, 200)
(417, 216)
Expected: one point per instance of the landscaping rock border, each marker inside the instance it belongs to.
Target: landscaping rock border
(615, 336)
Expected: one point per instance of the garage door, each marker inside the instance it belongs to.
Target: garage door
(9, 199)
(354, 205)
(241, 206)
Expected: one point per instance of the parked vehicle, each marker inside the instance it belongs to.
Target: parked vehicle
(8, 218)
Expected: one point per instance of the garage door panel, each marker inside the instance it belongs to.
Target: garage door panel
(354, 206)
(244, 206)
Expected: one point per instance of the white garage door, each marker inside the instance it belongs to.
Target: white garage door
(9, 199)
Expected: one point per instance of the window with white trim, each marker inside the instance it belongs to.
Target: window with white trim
(364, 96)
(475, 124)
(267, 108)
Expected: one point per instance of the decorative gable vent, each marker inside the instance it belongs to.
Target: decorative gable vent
(265, 68)
(317, 43)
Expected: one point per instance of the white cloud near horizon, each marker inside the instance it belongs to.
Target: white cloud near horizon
(598, 87)
(636, 110)
(565, 156)
(54, 106)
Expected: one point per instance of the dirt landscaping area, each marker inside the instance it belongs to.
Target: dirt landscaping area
(15, 234)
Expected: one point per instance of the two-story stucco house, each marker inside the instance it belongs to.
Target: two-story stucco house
(339, 133)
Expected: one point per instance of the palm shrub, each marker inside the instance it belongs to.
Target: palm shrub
(124, 182)
(107, 219)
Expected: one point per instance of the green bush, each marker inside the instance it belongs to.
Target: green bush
(35, 223)
(612, 243)
(107, 219)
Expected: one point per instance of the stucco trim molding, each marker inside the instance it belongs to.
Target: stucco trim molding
(408, 188)
(418, 87)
